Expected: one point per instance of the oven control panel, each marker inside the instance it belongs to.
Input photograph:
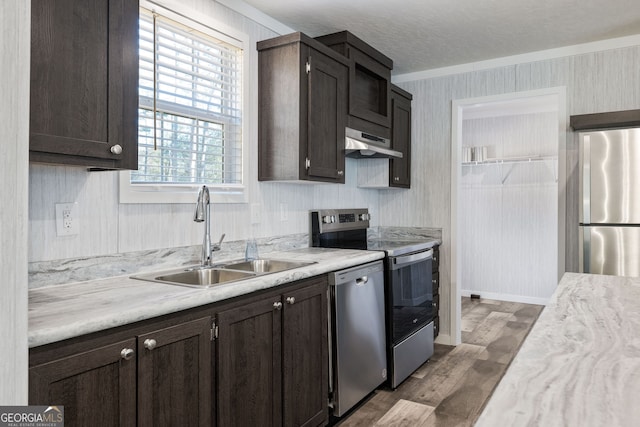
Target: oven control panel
(329, 220)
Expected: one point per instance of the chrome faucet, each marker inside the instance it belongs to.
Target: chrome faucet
(203, 214)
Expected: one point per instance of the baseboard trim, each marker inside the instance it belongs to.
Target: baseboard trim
(505, 297)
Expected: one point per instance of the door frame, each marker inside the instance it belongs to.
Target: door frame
(457, 115)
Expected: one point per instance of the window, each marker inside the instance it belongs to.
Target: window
(190, 117)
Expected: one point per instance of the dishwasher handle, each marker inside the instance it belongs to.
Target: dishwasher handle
(361, 274)
(362, 280)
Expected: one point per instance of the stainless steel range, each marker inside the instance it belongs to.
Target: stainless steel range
(408, 289)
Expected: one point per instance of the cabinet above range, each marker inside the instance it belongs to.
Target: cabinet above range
(369, 83)
(322, 102)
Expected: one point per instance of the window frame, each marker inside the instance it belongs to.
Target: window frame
(186, 193)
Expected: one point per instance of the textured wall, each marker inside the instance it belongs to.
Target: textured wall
(14, 112)
(595, 82)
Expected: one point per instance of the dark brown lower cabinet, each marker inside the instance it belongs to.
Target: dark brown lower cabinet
(96, 387)
(271, 367)
(174, 375)
(168, 369)
(272, 359)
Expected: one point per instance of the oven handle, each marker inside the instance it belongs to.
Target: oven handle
(401, 261)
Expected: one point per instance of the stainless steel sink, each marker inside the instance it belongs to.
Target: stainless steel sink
(204, 277)
(197, 277)
(264, 266)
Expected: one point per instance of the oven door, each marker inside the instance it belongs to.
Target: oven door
(410, 293)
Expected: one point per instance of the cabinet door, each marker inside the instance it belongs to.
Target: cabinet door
(401, 138)
(174, 375)
(326, 115)
(96, 387)
(305, 356)
(84, 82)
(249, 364)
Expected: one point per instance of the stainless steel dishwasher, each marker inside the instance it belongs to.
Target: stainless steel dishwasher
(358, 362)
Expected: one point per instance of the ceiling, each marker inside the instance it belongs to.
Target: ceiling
(427, 34)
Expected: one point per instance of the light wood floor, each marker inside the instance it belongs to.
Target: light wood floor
(452, 388)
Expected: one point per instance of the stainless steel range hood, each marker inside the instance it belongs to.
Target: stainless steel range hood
(364, 145)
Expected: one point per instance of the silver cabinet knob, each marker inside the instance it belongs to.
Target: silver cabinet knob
(150, 344)
(340, 173)
(116, 149)
(396, 178)
(291, 300)
(433, 281)
(277, 305)
(127, 353)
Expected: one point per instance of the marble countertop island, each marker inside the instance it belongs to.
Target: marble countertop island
(66, 311)
(580, 365)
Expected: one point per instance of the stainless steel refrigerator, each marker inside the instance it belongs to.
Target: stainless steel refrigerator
(610, 202)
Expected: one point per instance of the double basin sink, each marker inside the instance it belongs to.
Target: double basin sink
(205, 276)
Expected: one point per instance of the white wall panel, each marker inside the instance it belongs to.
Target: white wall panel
(606, 81)
(14, 140)
(96, 195)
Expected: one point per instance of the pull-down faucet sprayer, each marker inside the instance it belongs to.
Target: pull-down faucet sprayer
(203, 214)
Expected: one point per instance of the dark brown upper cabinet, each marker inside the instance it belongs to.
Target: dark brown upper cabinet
(400, 175)
(84, 83)
(610, 119)
(369, 83)
(302, 93)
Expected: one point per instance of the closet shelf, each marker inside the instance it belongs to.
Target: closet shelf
(513, 162)
(518, 159)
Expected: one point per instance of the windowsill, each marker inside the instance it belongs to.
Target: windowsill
(176, 193)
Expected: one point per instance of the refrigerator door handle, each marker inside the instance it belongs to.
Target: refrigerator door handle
(586, 180)
(586, 247)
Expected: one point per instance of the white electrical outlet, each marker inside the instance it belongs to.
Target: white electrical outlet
(67, 219)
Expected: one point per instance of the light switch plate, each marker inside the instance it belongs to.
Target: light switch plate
(67, 221)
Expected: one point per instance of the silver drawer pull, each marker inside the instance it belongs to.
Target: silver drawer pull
(127, 353)
(150, 344)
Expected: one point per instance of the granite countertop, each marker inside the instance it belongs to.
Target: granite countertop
(580, 365)
(66, 311)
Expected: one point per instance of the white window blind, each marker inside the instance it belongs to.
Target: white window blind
(195, 136)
